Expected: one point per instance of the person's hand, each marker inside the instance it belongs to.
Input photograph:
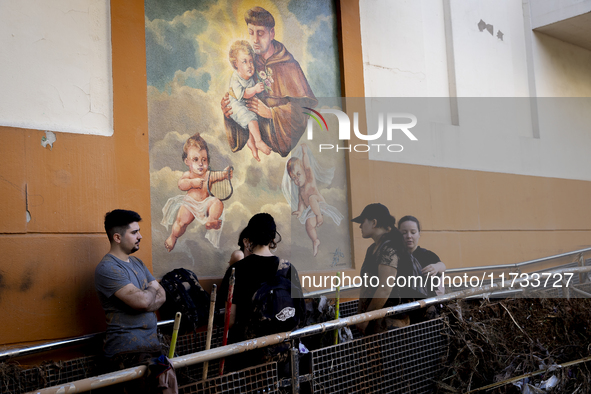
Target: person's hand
(259, 108)
(226, 109)
(198, 183)
(259, 87)
(431, 270)
(230, 171)
(297, 213)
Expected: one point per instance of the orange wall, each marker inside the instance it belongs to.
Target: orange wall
(472, 218)
(46, 276)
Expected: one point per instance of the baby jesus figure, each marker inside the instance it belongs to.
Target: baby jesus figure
(243, 86)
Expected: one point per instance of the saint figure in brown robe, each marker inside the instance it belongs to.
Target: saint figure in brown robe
(279, 108)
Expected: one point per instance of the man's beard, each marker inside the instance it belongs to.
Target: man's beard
(134, 249)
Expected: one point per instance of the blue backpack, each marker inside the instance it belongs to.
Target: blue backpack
(274, 308)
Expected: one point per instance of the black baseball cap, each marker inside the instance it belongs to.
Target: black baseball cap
(372, 211)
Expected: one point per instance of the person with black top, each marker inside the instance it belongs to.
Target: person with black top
(385, 259)
(259, 267)
(431, 264)
(243, 250)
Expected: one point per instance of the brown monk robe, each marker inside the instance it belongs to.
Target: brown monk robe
(289, 93)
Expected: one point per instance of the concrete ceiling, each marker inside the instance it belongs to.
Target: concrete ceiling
(575, 30)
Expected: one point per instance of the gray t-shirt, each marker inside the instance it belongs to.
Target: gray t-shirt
(127, 329)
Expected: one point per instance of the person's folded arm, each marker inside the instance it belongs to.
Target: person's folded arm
(160, 297)
(142, 300)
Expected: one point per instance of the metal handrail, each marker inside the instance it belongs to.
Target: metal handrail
(256, 343)
(26, 351)
(518, 265)
(318, 293)
(313, 294)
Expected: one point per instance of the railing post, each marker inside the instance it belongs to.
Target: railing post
(565, 289)
(295, 368)
(583, 276)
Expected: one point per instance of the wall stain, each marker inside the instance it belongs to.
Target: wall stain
(3, 285)
(27, 281)
(62, 178)
(49, 294)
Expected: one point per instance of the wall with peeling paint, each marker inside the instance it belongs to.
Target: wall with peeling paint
(66, 182)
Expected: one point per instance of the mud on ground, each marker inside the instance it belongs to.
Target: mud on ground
(493, 341)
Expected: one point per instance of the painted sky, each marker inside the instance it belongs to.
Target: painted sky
(184, 37)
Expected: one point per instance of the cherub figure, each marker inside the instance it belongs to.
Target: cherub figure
(302, 171)
(198, 203)
(243, 86)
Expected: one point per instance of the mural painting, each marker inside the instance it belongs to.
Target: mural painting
(228, 75)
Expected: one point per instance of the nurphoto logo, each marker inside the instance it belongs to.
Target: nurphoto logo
(392, 124)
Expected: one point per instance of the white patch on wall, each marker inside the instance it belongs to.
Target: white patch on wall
(56, 66)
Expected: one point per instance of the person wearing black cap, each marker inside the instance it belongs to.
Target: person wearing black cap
(384, 259)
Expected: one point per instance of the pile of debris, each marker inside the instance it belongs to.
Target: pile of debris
(518, 345)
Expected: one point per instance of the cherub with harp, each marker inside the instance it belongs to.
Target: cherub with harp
(206, 189)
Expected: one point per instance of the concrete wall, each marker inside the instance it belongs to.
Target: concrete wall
(546, 12)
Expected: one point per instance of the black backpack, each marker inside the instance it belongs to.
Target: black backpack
(184, 294)
(274, 308)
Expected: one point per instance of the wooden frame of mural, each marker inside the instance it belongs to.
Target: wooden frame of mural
(233, 87)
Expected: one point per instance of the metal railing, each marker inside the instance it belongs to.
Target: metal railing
(516, 267)
(240, 347)
(26, 351)
(313, 294)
